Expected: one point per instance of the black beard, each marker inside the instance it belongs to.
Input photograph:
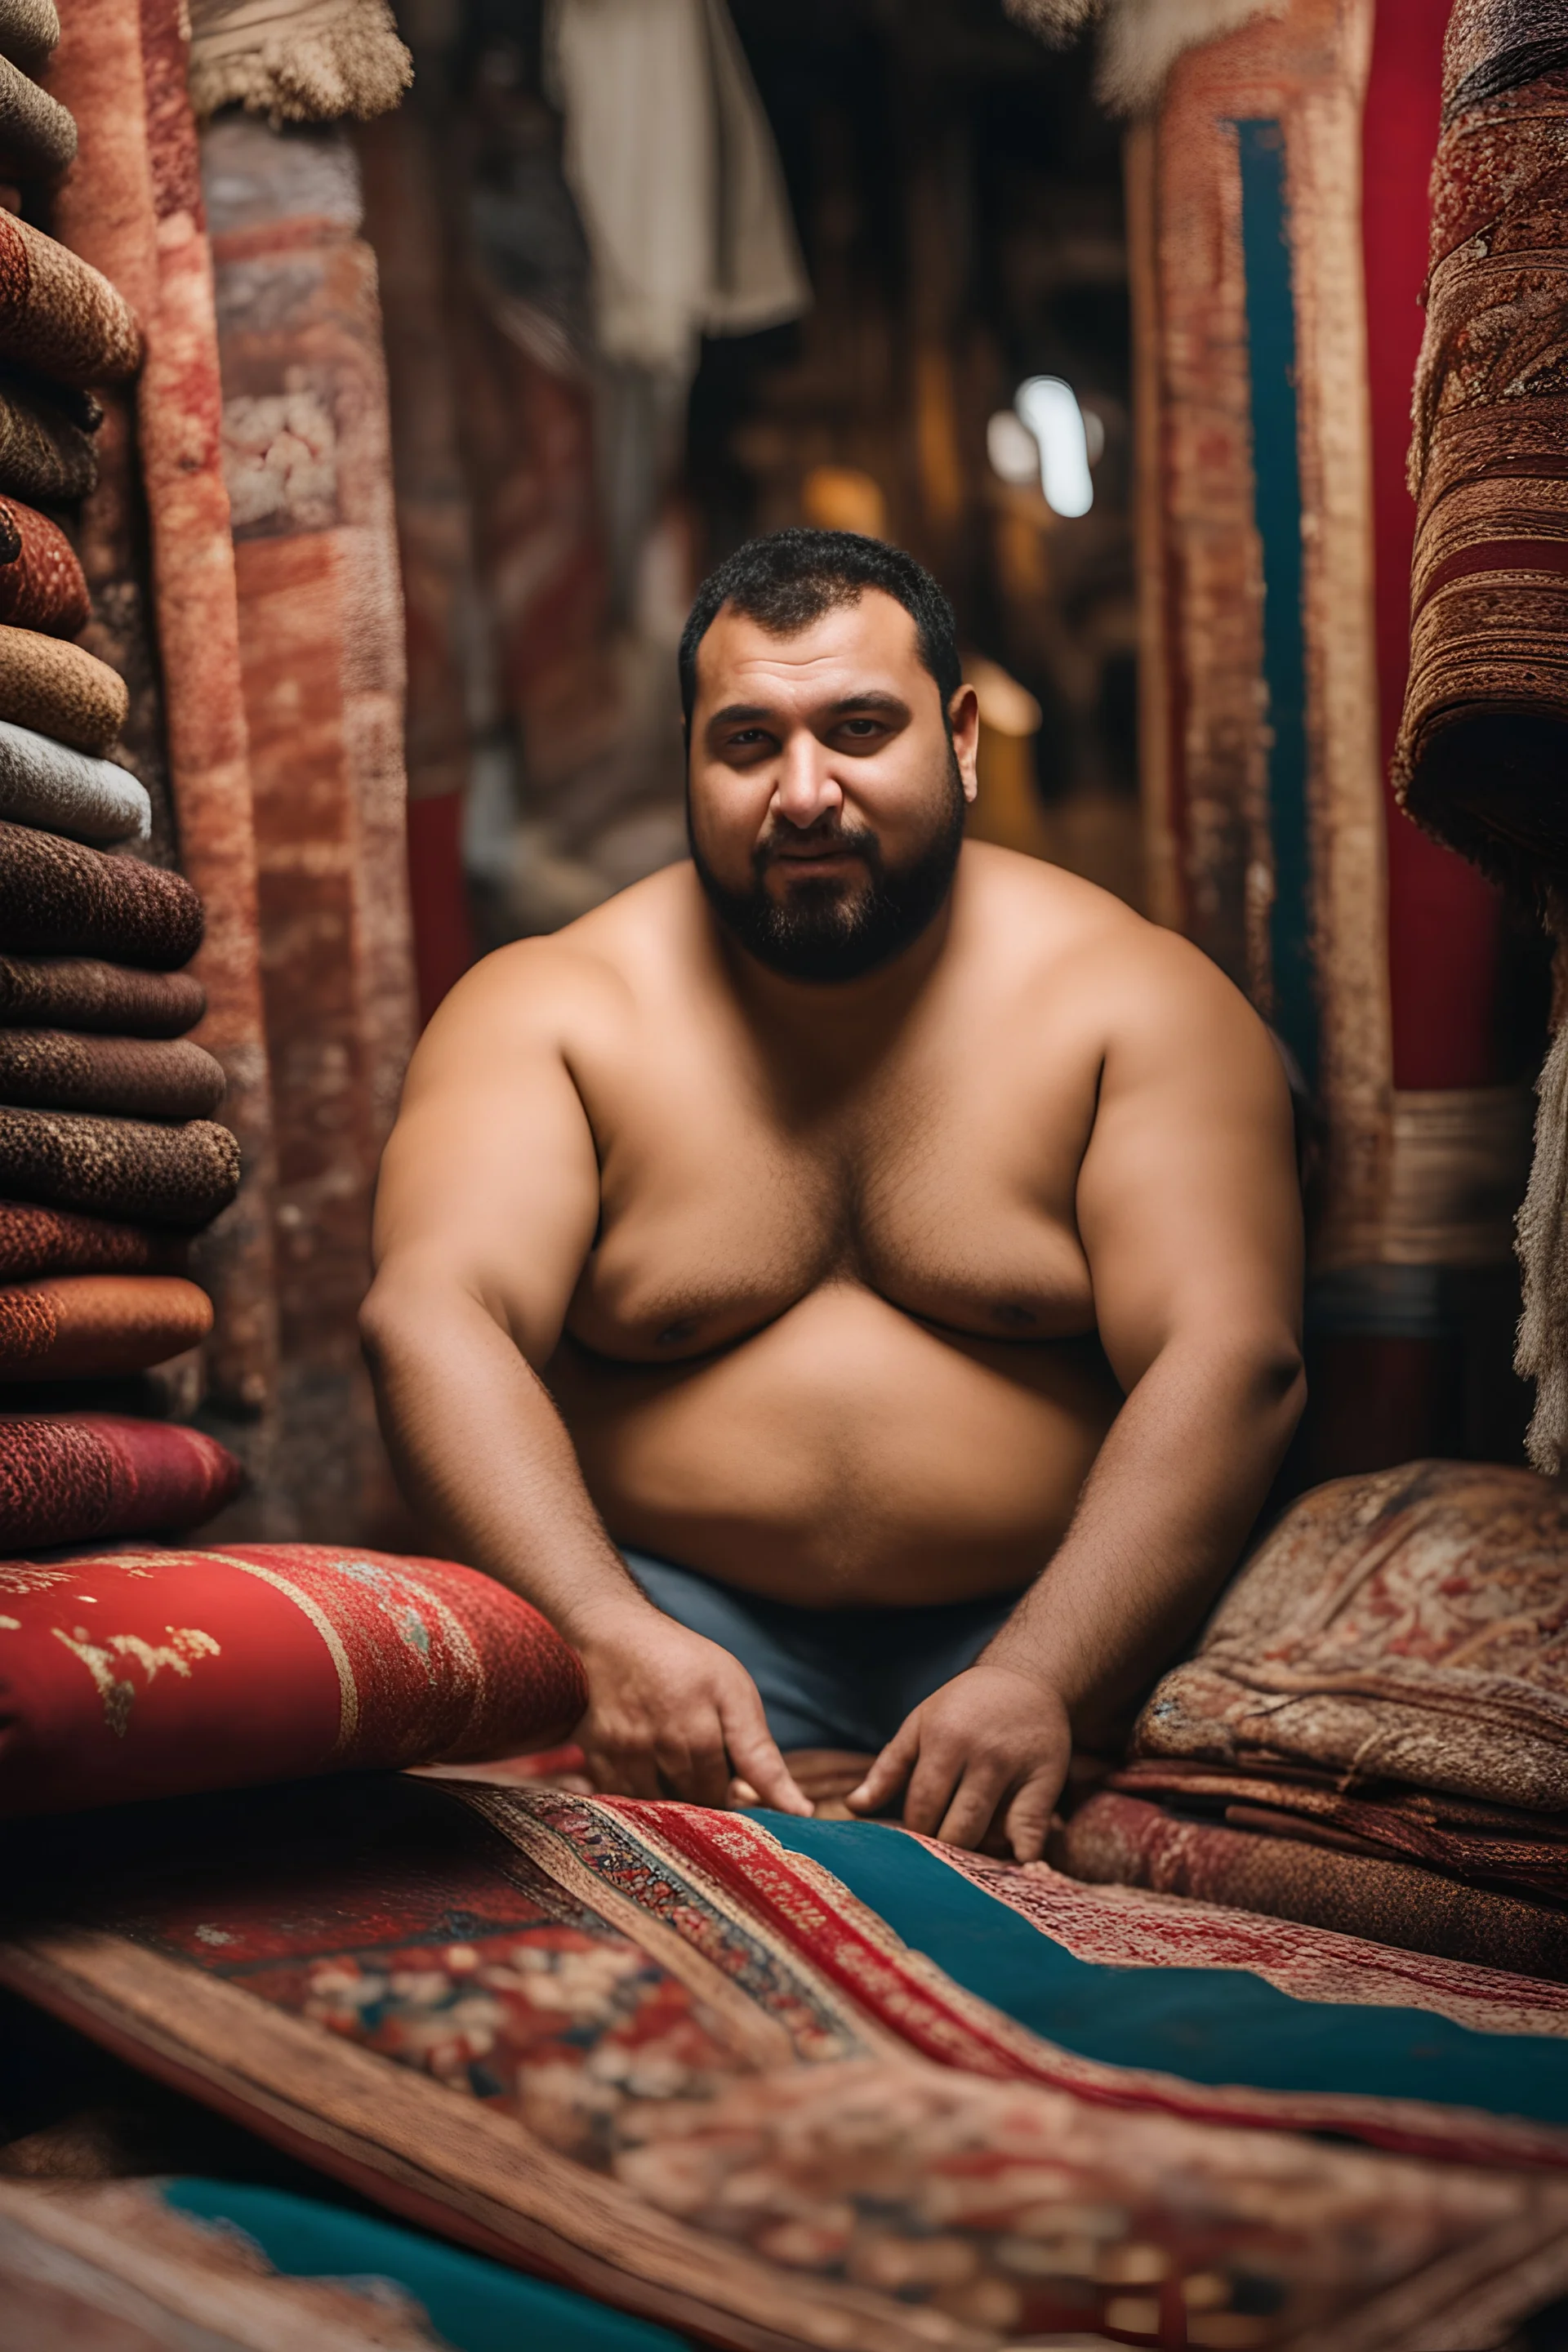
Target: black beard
(826, 933)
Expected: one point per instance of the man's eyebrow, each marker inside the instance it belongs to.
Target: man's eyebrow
(874, 698)
(734, 712)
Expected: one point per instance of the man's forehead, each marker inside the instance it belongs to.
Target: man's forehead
(871, 643)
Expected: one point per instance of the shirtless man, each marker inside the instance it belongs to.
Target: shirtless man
(850, 1282)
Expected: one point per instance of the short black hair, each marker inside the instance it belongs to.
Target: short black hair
(790, 578)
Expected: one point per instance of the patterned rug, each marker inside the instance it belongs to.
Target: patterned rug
(839, 2091)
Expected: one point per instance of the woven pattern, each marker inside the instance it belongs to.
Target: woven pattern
(60, 690)
(66, 1479)
(1411, 1626)
(58, 897)
(141, 1078)
(41, 586)
(38, 137)
(45, 456)
(46, 784)
(36, 1240)
(77, 992)
(215, 1669)
(1481, 741)
(59, 316)
(98, 1325)
(119, 1167)
(29, 29)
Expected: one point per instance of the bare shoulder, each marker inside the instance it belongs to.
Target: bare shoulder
(1131, 984)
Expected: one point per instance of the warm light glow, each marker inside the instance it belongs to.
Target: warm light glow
(1013, 452)
(1051, 410)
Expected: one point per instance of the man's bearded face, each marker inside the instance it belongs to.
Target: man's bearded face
(822, 924)
(825, 793)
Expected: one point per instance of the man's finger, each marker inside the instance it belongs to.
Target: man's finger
(974, 1809)
(698, 1770)
(1029, 1814)
(932, 1784)
(755, 1756)
(890, 1771)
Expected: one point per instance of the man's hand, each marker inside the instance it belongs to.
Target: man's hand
(670, 1714)
(990, 1745)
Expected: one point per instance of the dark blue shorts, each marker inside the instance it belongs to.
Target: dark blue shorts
(828, 1677)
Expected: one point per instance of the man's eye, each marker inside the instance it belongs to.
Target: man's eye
(862, 728)
(747, 739)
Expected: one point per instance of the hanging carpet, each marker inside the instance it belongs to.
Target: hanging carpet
(664, 2056)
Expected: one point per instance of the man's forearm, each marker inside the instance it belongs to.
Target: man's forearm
(1162, 1517)
(481, 1451)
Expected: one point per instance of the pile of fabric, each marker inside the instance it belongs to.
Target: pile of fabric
(108, 1155)
(1372, 1734)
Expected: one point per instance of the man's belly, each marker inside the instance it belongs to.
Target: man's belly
(845, 1454)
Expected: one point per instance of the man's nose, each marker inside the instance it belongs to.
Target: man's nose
(807, 790)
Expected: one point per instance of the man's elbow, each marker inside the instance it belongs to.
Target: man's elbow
(1277, 1376)
(402, 1309)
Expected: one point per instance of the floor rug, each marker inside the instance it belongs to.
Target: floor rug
(665, 2059)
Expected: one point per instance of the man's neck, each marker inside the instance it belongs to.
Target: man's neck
(842, 1021)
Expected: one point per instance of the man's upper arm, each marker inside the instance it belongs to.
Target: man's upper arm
(491, 1179)
(1188, 1200)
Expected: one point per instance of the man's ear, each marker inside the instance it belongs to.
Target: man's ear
(964, 725)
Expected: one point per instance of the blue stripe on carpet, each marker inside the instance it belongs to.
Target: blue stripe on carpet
(1206, 2025)
(474, 2304)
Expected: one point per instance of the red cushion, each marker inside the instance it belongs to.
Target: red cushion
(147, 1672)
(77, 1477)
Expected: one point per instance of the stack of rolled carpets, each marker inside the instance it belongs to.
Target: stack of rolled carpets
(108, 1155)
(1373, 1733)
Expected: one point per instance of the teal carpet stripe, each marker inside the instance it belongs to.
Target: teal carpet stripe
(1207, 2025)
(474, 2304)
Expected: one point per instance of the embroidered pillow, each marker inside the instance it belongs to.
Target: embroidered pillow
(149, 1673)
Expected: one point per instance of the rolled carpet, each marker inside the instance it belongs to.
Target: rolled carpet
(58, 314)
(138, 1077)
(118, 1167)
(46, 784)
(42, 585)
(58, 898)
(46, 456)
(61, 689)
(1119, 1841)
(38, 137)
(37, 1240)
(67, 1479)
(29, 29)
(93, 1326)
(1485, 728)
(77, 992)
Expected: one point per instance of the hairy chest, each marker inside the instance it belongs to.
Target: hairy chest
(948, 1190)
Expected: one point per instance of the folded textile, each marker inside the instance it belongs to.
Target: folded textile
(41, 582)
(71, 1478)
(285, 1660)
(1485, 727)
(78, 2257)
(651, 2051)
(38, 137)
(58, 314)
(29, 29)
(118, 1167)
(1121, 1841)
(46, 456)
(59, 898)
(60, 690)
(1503, 1845)
(77, 993)
(1407, 1626)
(95, 1326)
(36, 1240)
(297, 60)
(46, 784)
(53, 1069)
